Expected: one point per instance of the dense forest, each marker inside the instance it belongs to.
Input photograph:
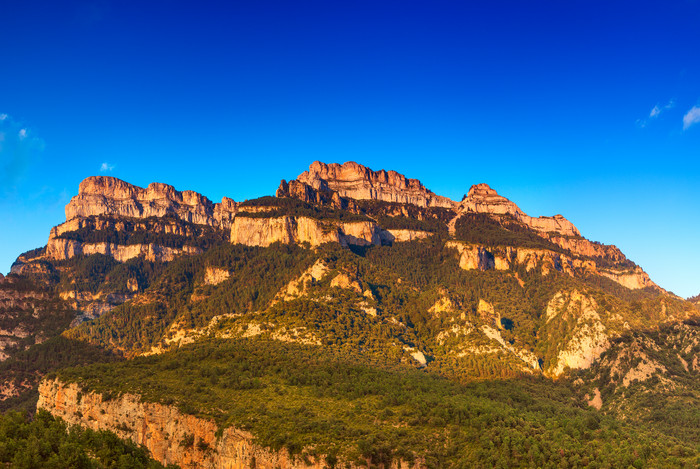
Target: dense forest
(354, 408)
(46, 442)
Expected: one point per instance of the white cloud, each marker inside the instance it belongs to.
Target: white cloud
(691, 117)
(106, 167)
(3, 117)
(22, 134)
(656, 112)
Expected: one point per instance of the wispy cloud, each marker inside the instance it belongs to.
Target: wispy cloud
(655, 112)
(691, 117)
(19, 148)
(105, 167)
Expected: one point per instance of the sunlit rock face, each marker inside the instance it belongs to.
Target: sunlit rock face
(299, 230)
(359, 182)
(103, 195)
(482, 199)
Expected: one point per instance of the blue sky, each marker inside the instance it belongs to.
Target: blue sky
(588, 109)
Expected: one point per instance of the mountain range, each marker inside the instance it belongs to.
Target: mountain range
(353, 319)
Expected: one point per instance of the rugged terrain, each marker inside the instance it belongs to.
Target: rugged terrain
(357, 270)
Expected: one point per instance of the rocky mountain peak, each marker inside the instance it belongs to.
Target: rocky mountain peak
(482, 190)
(109, 196)
(359, 182)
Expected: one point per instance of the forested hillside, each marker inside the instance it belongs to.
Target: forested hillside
(361, 321)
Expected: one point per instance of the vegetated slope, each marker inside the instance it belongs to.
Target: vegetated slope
(320, 405)
(409, 301)
(29, 313)
(21, 373)
(434, 290)
(652, 378)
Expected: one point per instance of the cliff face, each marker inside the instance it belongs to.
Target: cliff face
(584, 247)
(291, 229)
(478, 257)
(102, 195)
(589, 337)
(61, 249)
(320, 196)
(171, 436)
(359, 182)
(482, 199)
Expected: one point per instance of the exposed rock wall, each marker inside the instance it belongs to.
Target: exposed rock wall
(165, 431)
(62, 249)
(291, 229)
(102, 195)
(359, 182)
(399, 236)
(589, 338)
(482, 199)
(634, 279)
(320, 196)
(215, 275)
(475, 256)
(107, 223)
(584, 247)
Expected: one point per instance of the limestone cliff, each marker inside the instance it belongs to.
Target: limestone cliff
(61, 249)
(482, 199)
(588, 336)
(319, 196)
(474, 256)
(359, 182)
(291, 229)
(102, 195)
(116, 223)
(479, 257)
(584, 247)
(171, 436)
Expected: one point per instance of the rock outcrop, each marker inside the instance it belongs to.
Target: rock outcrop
(215, 275)
(589, 336)
(475, 256)
(479, 257)
(482, 199)
(361, 183)
(171, 436)
(319, 196)
(103, 195)
(399, 236)
(260, 231)
(62, 249)
(633, 279)
(584, 247)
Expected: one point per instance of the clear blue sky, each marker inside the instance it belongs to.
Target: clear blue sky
(588, 109)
